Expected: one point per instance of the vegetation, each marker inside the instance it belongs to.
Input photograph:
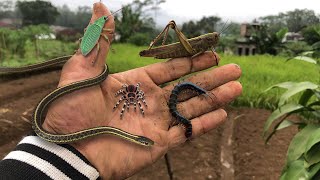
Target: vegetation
(37, 12)
(134, 25)
(301, 95)
(253, 80)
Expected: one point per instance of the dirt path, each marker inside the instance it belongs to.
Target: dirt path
(235, 150)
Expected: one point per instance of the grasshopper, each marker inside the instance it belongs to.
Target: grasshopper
(184, 48)
(92, 35)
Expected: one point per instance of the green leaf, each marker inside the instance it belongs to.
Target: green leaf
(314, 139)
(281, 33)
(296, 88)
(307, 94)
(307, 53)
(316, 103)
(284, 124)
(285, 85)
(298, 144)
(316, 45)
(306, 59)
(312, 156)
(278, 113)
(317, 93)
(280, 125)
(295, 171)
(316, 114)
(314, 170)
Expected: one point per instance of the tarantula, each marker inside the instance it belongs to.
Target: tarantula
(131, 94)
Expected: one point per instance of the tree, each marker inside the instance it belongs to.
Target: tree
(82, 17)
(37, 12)
(66, 17)
(274, 22)
(203, 26)
(134, 20)
(298, 19)
(190, 29)
(311, 34)
(295, 20)
(6, 9)
(267, 41)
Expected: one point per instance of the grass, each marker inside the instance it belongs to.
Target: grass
(48, 49)
(262, 71)
(125, 57)
(258, 72)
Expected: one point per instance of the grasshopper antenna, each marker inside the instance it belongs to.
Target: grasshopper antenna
(118, 10)
(224, 28)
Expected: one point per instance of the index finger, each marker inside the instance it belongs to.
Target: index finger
(175, 68)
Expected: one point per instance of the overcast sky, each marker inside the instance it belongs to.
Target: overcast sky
(233, 10)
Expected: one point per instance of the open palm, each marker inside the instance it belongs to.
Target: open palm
(92, 107)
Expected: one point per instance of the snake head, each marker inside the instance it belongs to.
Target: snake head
(145, 141)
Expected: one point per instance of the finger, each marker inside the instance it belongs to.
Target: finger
(200, 105)
(200, 125)
(175, 68)
(208, 79)
(80, 67)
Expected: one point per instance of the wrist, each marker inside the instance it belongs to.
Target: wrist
(98, 155)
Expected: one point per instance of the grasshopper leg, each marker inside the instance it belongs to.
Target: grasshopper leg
(105, 38)
(213, 51)
(97, 52)
(197, 54)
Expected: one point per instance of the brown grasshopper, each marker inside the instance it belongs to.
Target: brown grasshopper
(185, 48)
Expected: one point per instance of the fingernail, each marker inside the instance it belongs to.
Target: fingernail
(237, 66)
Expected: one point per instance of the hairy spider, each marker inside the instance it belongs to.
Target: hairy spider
(131, 94)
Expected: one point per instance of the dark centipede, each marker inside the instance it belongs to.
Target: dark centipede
(174, 100)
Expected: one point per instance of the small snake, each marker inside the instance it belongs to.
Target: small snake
(42, 106)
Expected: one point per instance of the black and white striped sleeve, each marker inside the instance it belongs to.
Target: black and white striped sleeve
(34, 158)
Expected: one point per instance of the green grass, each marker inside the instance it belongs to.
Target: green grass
(126, 56)
(258, 72)
(47, 49)
(262, 71)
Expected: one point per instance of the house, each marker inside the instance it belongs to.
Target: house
(292, 37)
(10, 23)
(245, 45)
(65, 33)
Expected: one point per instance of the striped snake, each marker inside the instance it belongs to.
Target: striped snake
(42, 106)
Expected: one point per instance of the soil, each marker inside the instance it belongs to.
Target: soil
(235, 150)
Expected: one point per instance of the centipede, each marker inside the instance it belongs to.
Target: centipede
(173, 100)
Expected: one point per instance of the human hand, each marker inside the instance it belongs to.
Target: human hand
(116, 158)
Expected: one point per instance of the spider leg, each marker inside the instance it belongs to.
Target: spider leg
(123, 108)
(121, 99)
(135, 105)
(141, 97)
(121, 91)
(128, 105)
(141, 109)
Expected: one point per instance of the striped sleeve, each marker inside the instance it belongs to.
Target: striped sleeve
(34, 158)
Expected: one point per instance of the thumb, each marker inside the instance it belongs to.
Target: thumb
(80, 67)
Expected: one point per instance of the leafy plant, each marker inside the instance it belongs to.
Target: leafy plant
(303, 156)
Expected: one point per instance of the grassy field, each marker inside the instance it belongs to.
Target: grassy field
(259, 72)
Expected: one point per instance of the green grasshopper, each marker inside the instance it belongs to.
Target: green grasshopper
(184, 48)
(92, 35)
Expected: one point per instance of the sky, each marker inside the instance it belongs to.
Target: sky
(231, 10)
